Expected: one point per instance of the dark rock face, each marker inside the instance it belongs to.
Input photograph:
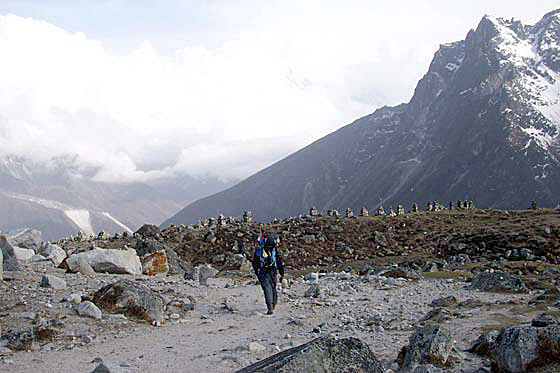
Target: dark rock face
(498, 282)
(430, 344)
(321, 355)
(518, 348)
(132, 299)
(480, 126)
(148, 230)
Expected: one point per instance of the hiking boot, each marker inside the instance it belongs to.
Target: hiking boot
(270, 312)
(273, 306)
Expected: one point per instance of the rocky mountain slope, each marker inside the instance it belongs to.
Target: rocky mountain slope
(483, 125)
(61, 199)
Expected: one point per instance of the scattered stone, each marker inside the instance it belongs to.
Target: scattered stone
(312, 277)
(110, 368)
(349, 213)
(498, 282)
(205, 271)
(484, 344)
(131, 299)
(50, 281)
(256, 347)
(430, 344)
(324, 354)
(88, 309)
(444, 302)
(313, 291)
(427, 369)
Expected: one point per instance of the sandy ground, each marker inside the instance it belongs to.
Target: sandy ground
(229, 315)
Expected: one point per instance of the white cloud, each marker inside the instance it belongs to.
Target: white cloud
(284, 76)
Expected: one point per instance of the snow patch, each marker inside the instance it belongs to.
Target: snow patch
(81, 218)
(107, 215)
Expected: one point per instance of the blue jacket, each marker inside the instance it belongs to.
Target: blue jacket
(263, 248)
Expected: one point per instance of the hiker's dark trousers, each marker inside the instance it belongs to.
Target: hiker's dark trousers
(268, 284)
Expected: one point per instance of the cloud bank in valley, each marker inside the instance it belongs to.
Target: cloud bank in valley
(226, 108)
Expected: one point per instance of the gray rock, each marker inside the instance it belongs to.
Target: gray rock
(321, 355)
(427, 369)
(148, 230)
(109, 261)
(519, 347)
(88, 309)
(23, 254)
(1, 266)
(205, 271)
(79, 265)
(132, 299)
(110, 368)
(313, 291)
(10, 262)
(444, 302)
(484, 343)
(53, 252)
(27, 238)
(50, 281)
(498, 282)
(176, 267)
(544, 320)
(430, 344)
(438, 314)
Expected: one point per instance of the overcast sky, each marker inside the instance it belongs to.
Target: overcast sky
(144, 88)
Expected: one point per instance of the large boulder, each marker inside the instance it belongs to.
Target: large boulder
(23, 254)
(132, 299)
(109, 261)
(522, 347)
(53, 252)
(10, 262)
(27, 238)
(148, 230)
(321, 355)
(498, 282)
(155, 263)
(175, 265)
(429, 344)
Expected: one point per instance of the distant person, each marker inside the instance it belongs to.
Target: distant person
(266, 263)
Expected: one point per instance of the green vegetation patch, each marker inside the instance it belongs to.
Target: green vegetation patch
(447, 275)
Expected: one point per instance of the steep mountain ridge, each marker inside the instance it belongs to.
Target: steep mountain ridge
(483, 124)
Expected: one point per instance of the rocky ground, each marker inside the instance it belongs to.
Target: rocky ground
(377, 287)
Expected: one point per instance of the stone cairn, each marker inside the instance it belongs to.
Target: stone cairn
(533, 205)
(430, 206)
(400, 210)
(451, 207)
(221, 220)
(247, 217)
(313, 212)
(380, 211)
(415, 207)
(211, 222)
(459, 204)
(349, 213)
(392, 212)
(364, 212)
(333, 212)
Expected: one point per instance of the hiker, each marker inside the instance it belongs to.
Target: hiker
(266, 263)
